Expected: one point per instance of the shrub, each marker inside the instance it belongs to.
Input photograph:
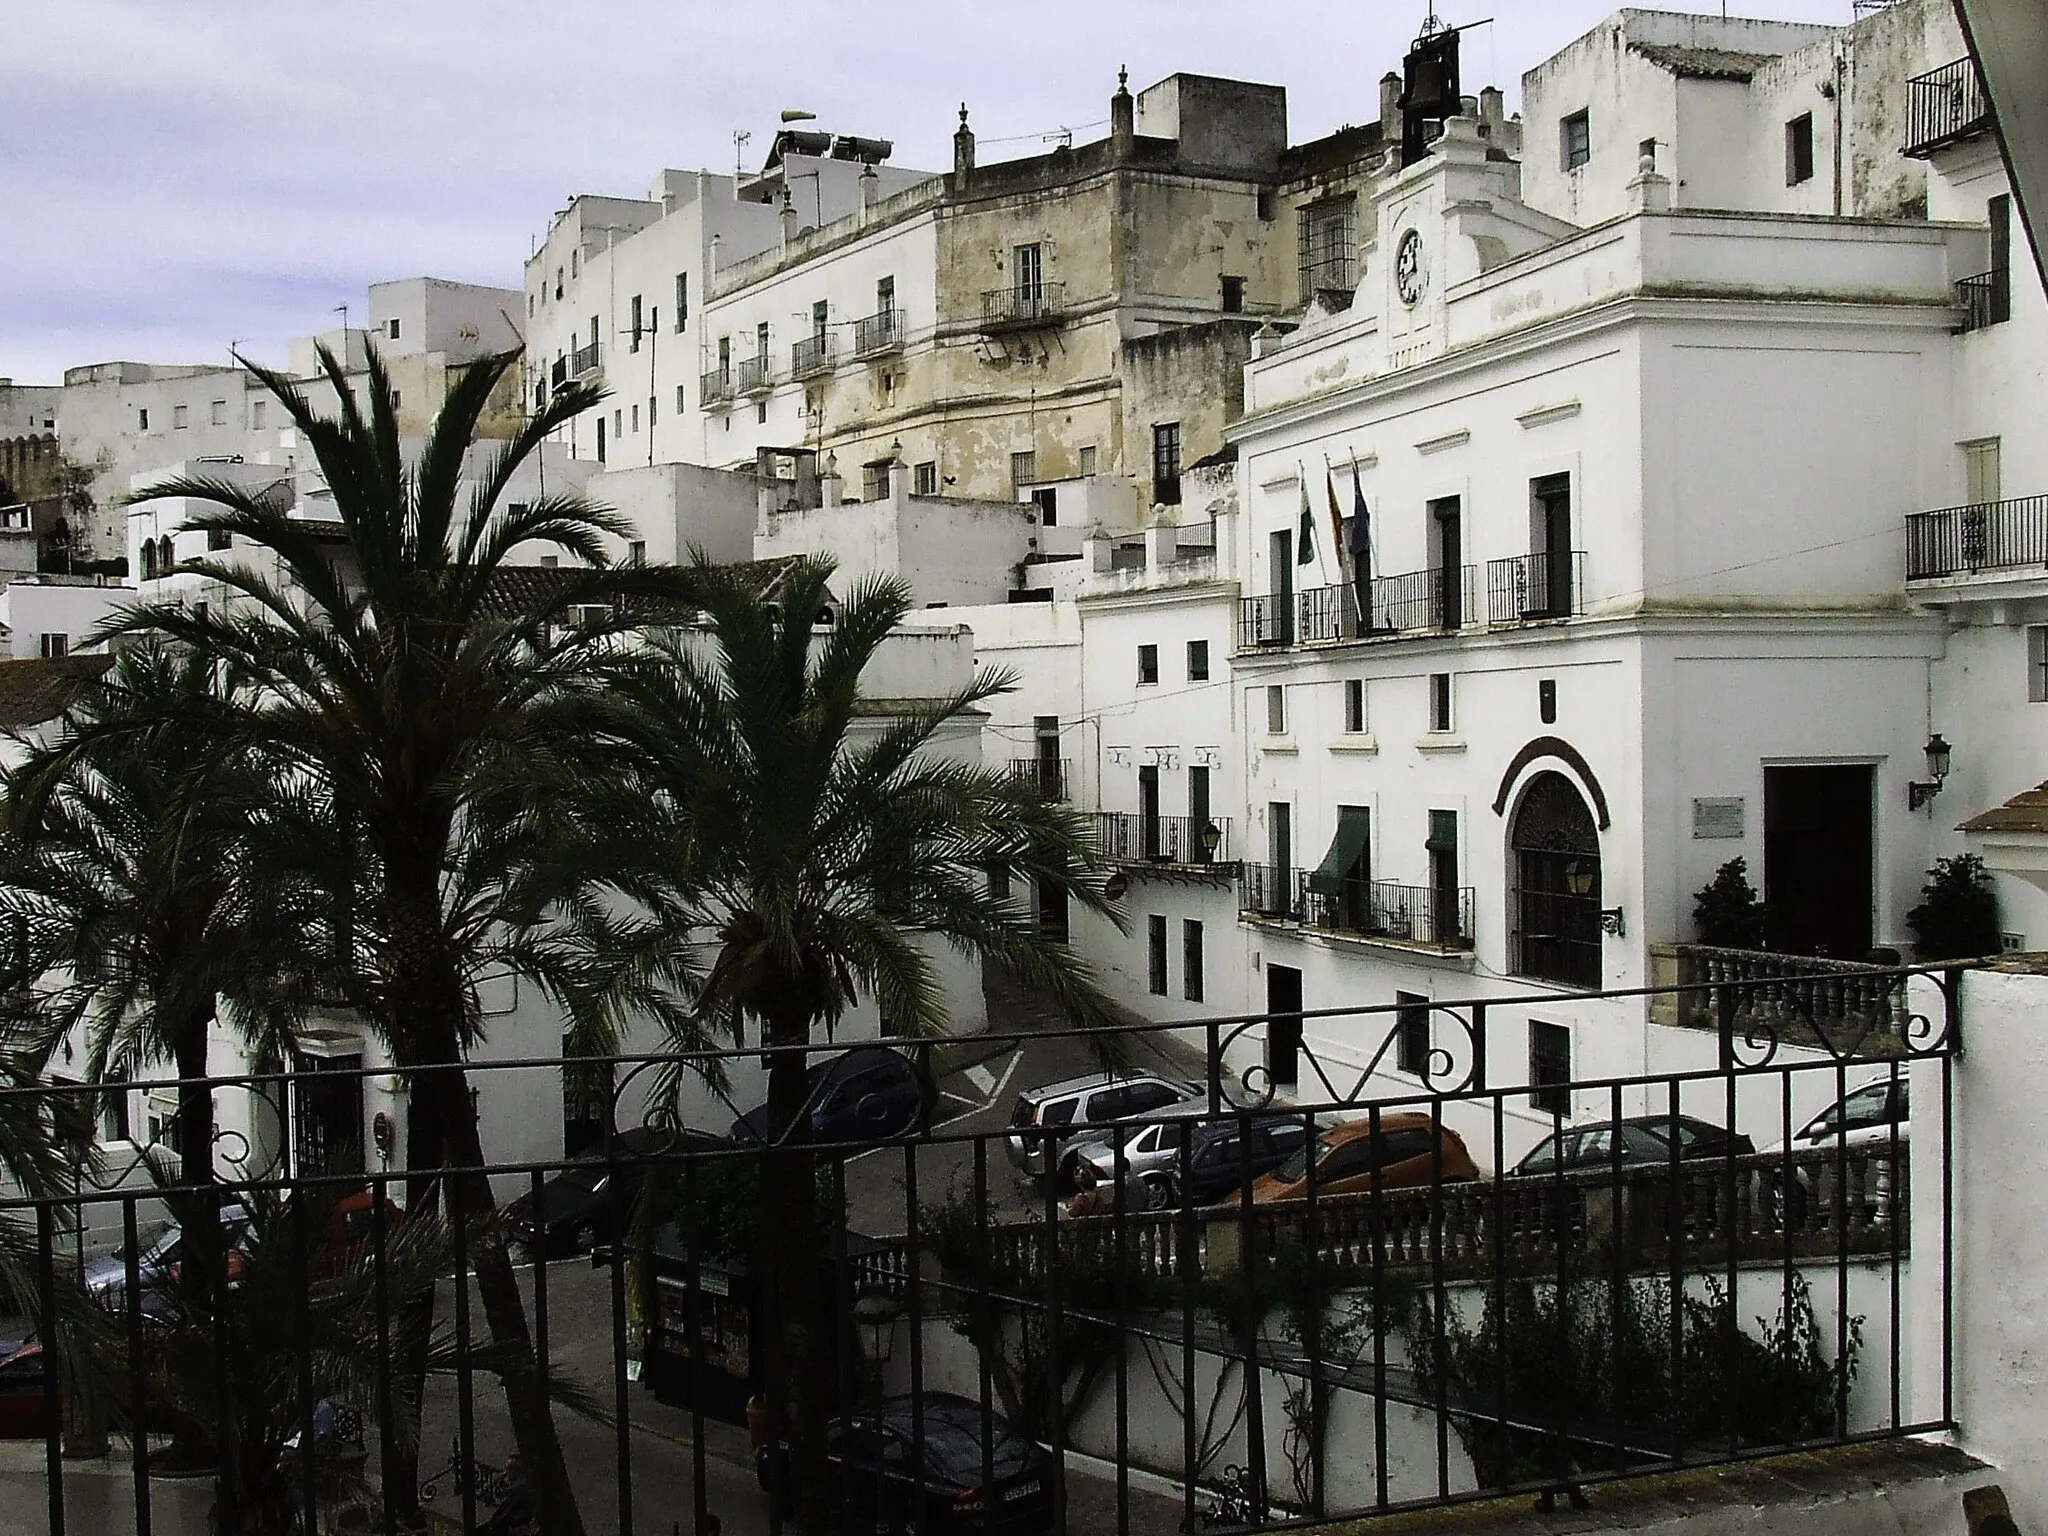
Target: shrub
(1726, 912)
(1957, 918)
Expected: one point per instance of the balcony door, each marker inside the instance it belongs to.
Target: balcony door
(1028, 270)
(1283, 1033)
(1198, 814)
(1818, 864)
(1550, 545)
(1280, 586)
(1447, 538)
(1148, 812)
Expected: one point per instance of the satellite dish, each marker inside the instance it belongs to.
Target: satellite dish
(798, 115)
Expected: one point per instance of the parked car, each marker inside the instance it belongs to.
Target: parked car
(352, 1232)
(870, 1093)
(1869, 1116)
(159, 1256)
(876, 1454)
(575, 1212)
(22, 1405)
(1641, 1140)
(1036, 1145)
(1351, 1160)
(1216, 1153)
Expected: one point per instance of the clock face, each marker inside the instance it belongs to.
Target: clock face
(1409, 277)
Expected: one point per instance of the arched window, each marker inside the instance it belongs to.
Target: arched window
(166, 562)
(1555, 901)
(149, 559)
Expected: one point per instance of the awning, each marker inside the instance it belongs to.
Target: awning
(1443, 832)
(1354, 831)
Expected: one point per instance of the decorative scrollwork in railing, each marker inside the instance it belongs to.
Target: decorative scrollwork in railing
(1446, 1061)
(487, 1482)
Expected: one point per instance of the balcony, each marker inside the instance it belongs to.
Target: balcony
(878, 333)
(1022, 308)
(1049, 775)
(1985, 299)
(1273, 892)
(1418, 602)
(1988, 536)
(714, 387)
(1945, 106)
(1847, 1004)
(558, 374)
(1524, 588)
(811, 356)
(586, 362)
(751, 376)
(1404, 914)
(1130, 838)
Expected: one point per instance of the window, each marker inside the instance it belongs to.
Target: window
(637, 321)
(885, 294)
(1233, 295)
(760, 413)
(1981, 486)
(1546, 700)
(2037, 663)
(1027, 276)
(1276, 710)
(1445, 916)
(1799, 149)
(258, 410)
(1155, 949)
(1354, 706)
(724, 356)
(1554, 903)
(682, 301)
(761, 340)
(218, 539)
(396, 399)
(1267, 204)
(1198, 661)
(1023, 469)
(636, 419)
(1998, 213)
(558, 282)
(1550, 1067)
(55, 646)
(1191, 960)
(1047, 499)
(142, 419)
(181, 417)
(1166, 463)
(924, 478)
(682, 400)
(619, 422)
(1087, 465)
(1575, 140)
(1148, 664)
(550, 562)
(636, 552)
(114, 1124)
(1411, 1041)
(1327, 243)
(1439, 701)
(600, 439)
(575, 262)
(391, 328)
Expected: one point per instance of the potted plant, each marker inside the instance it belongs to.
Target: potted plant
(1726, 913)
(1957, 918)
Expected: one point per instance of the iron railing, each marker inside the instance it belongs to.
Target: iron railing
(878, 333)
(810, 355)
(1843, 1001)
(1417, 602)
(1985, 299)
(714, 386)
(1540, 586)
(751, 377)
(1016, 308)
(1128, 837)
(1049, 775)
(1154, 1305)
(585, 361)
(1945, 105)
(1408, 914)
(558, 372)
(1988, 536)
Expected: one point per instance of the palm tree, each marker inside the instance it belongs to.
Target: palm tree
(437, 715)
(824, 841)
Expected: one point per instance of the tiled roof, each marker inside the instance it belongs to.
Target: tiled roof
(2026, 811)
(35, 689)
(517, 589)
(1703, 63)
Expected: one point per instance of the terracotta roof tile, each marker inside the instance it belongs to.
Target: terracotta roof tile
(1703, 63)
(2026, 811)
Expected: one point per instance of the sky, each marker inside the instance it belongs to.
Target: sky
(183, 176)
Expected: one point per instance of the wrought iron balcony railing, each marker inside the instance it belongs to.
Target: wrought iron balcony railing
(1544, 586)
(1050, 775)
(812, 355)
(1019, 308)
(1988, 536)
(750, 377)
(1418, 602)
(1270, 891)
(878, 333)
(1945, 105)
(585, 361)
(714, 386)
(1986, 299)
(1127, 837)
(558, 374)
(1411, 914)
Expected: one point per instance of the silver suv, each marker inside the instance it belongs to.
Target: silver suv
(1035, 1142)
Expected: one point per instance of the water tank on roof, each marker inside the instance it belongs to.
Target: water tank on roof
(868, 151)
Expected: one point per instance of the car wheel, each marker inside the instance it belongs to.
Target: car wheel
(585, 1239)
(1155, 1193)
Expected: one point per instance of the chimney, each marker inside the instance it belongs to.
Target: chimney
(1493, 112)
(1390, 108)
(1649, 192)
(870, 188)
(963, 149)
(712, 269)
(788, 217)
(1123, 115)
(1468, 106)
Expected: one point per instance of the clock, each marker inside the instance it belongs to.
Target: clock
(1410, 279)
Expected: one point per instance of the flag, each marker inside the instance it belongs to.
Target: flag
(1305, 540)
(1336, 518)
(1361, 552)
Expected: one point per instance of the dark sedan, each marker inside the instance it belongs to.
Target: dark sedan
(1644, 1140)
(876, 1456)
(870, 1093)
(1216, 1161)
(591, 1200)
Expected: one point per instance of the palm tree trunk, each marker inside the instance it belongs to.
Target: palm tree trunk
(198, 1213)
(797, 1364)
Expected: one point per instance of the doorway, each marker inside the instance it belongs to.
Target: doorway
(1148, 811)
(1283, 1025)
(328, 1121)
(1447, 520)
(1818, 863)
(1280, 587)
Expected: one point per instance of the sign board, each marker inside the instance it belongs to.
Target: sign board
(1717, 818)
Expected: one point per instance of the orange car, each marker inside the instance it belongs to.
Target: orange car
(1350, 1160)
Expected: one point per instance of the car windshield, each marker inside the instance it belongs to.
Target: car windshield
(585, 1174)
(1863, 1107)
(1295, 1169)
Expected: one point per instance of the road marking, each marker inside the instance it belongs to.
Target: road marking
(996, 1092)
(982, 1078)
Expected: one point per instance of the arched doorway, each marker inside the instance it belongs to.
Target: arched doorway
(1554, 900)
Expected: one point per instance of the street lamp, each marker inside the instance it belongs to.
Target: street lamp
(874, 1321)
(1919, 792)
(1212, 839)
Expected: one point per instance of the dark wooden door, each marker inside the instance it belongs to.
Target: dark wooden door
(1817, 860)
(1283, 1034)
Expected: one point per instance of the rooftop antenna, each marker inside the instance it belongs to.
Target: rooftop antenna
(740, 140)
